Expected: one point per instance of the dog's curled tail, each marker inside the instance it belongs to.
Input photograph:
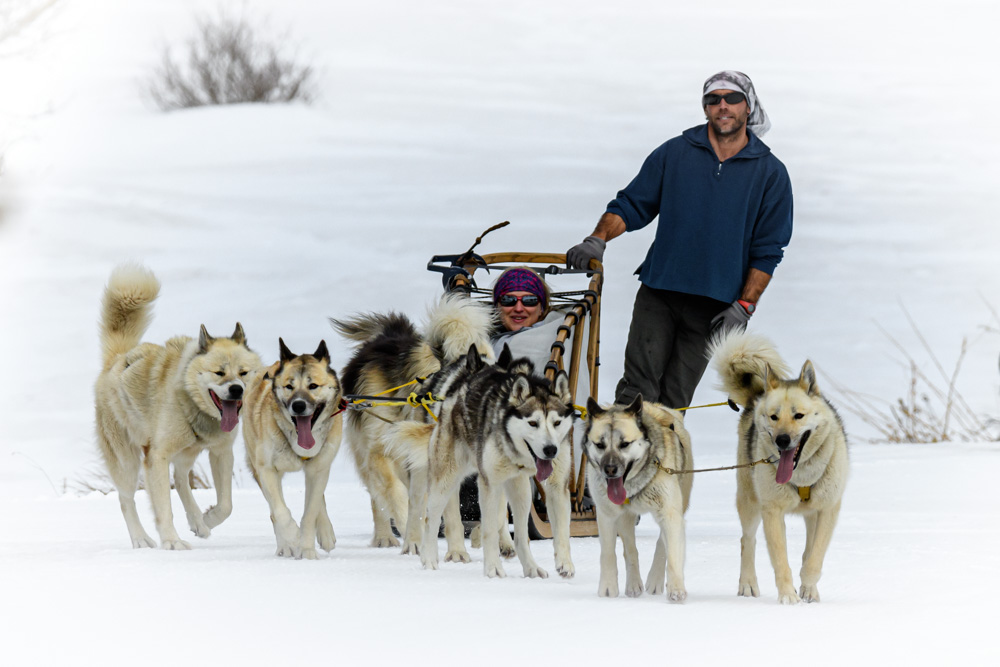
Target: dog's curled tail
(743, 361)
(456, 322)
(362, 328)
(409, 442)
(126, 309)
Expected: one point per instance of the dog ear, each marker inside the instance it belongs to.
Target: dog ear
(283, 352)
(635, 407)
(807, 379)
(321, 353)
(771, 379)
(473, 362)
(238, 335)
(506, 356)
(521, 390)
(561, 388)
(204, 340)
(593, 409)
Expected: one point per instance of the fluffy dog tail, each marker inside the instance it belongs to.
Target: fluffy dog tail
(362, 328)
(455, 323)
(126, 309)
(743, 361)
(409, 442)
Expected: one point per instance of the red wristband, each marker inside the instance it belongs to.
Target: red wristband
(748, 306)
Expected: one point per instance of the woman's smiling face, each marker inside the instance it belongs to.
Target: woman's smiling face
(518, 316)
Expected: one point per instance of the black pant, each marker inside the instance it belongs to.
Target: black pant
(665, 355)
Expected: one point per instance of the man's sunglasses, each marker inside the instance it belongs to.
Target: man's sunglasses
(528, 300)
(712, 99)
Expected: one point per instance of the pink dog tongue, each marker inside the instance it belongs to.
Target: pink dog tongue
(230, 415)
(616, 490)
(303, 426)
(542, 469)
(786, 466)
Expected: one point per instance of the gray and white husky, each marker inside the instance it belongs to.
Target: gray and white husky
(631, 451)
(506, 424)
(789, 421)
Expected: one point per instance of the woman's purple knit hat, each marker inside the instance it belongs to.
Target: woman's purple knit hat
(519, 280)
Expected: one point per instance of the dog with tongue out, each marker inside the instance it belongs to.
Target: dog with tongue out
(630, 453)
(293, 422)
(789, 423)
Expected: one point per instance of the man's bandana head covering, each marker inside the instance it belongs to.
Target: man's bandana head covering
(519, 280)
(758, 122)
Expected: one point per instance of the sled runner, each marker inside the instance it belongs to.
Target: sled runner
(575, 349)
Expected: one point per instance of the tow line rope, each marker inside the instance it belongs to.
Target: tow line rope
(583, 411)
(357, 402)
(671, 471)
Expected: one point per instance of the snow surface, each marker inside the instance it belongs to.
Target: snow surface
(436, 120)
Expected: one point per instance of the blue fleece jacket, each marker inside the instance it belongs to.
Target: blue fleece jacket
(717, 220)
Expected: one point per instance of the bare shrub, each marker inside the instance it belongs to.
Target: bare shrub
(931, 410)
(228, 63)
(96, 478)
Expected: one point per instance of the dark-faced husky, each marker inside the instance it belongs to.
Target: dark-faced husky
(789, 422)
(506, 424)
(163, 404)
(391, 352)
(631, 453)
(293, 423)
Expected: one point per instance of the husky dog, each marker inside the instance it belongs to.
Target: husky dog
(506, 424)
(392, 352)
(293, 423)
(791, 422)
(158, 405)
(632, 452)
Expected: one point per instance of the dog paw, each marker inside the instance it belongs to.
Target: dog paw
(494, 571)
(507, 550)
(607, 589)
(458, 556)
(749, 588)
(788, 597)
(429, 563)
(287, 551)
(410, 549)
(199, 528)
(309, 554)
(565, 569)
(534, 571)
(384, 542)
(175, 545)
(655, 587)
(213, 516)
(143, 542)
(809, 593)
(327, 542)
(676, 594)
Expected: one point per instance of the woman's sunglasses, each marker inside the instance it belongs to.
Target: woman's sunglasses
(712, 99)
(528, 300)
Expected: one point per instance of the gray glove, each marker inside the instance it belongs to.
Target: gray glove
(735, 316)
(579, 256)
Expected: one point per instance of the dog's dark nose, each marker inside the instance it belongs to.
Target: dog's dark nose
(611, 470)
(783, 441)
(550, 451)
(298, 407)
(235, 391)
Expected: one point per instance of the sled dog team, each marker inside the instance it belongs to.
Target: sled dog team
(158, 405)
